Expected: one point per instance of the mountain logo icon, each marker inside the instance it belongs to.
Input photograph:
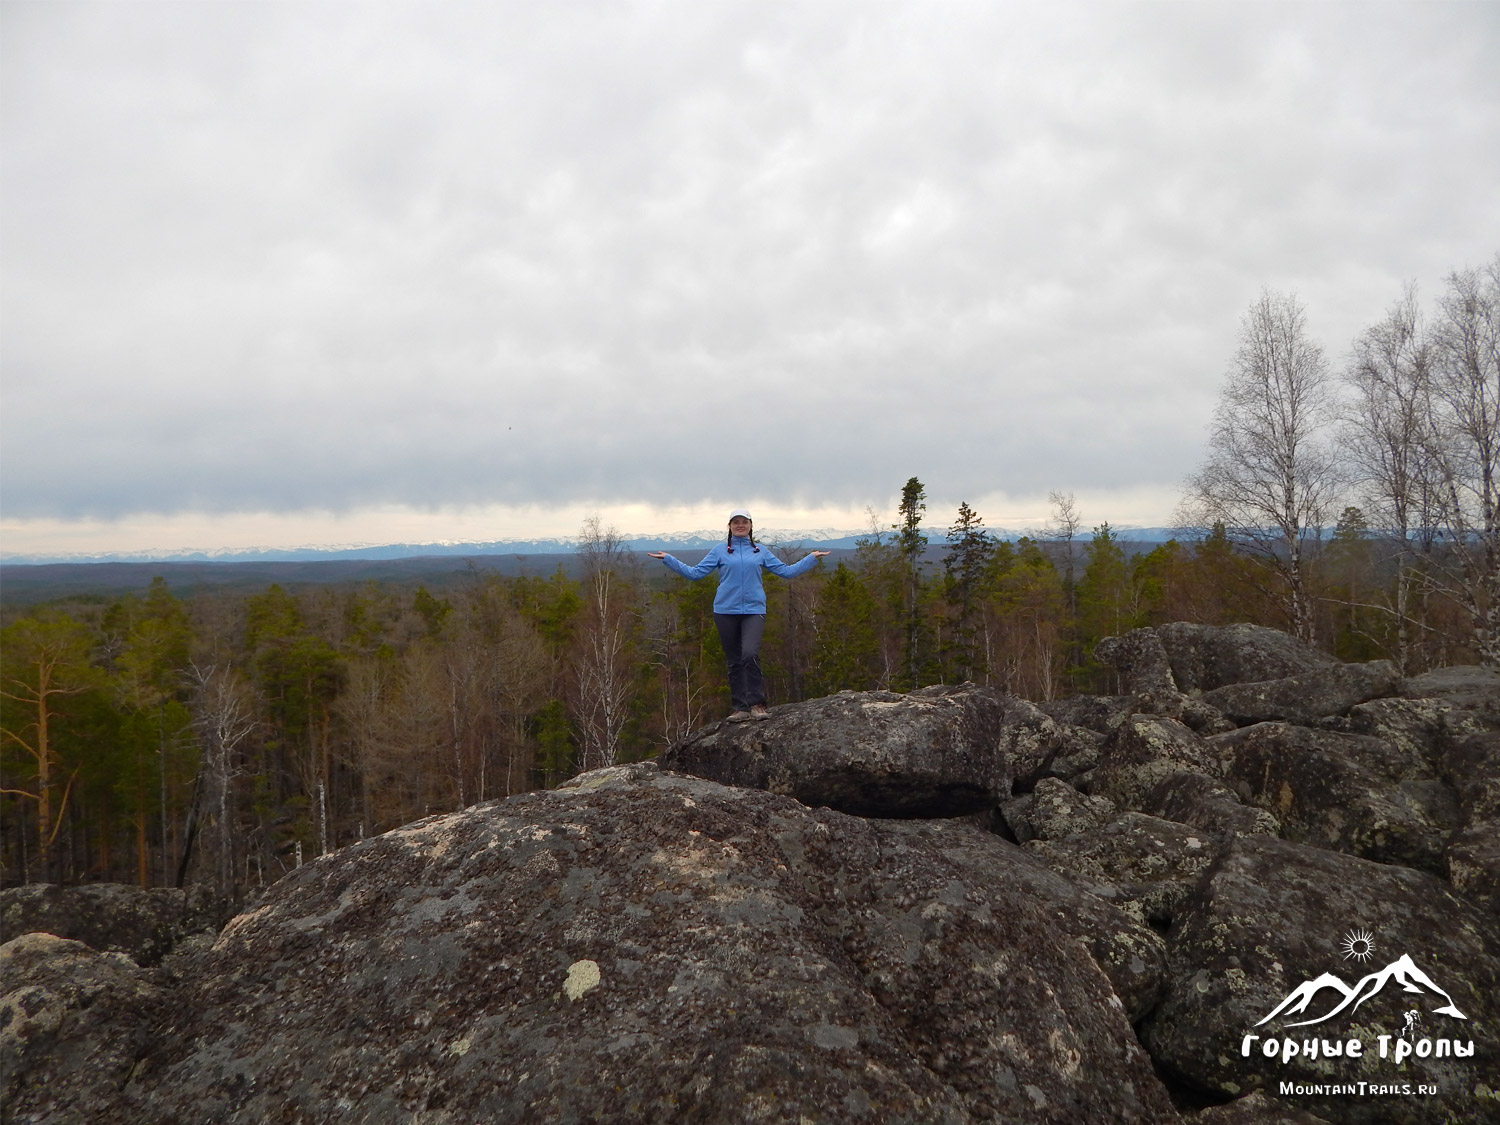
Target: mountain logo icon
(1402, 971)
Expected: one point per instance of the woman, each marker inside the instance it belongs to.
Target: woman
(740, 606)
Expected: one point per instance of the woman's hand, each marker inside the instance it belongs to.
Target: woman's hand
(819, 554)
(657, 554)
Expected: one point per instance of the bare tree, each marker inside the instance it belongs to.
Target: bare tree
(1270, 474)
(520, 673)
(224, 715)
(1063, 528)
(678, 654)
(1465, 427)
(1062, 532)
(1387, 436)
(363, 712)
(602, 687)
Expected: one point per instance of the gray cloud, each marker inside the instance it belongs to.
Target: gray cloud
(283, 256)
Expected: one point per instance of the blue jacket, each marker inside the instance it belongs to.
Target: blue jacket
(740, 590)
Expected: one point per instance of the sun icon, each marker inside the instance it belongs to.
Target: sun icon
(1358, 945)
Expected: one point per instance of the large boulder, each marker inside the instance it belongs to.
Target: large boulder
(1465, 687)
(641, 946)
(1307, 696)
(935, 752)
(1054, 809)
(142, 923)
(1472, 764)
(1132, 955)
(73, 1022)
(1145, 864)
(1098, 713)
(1287, 944)
(1256, 1109)
(1473, 856)
(1144, 751)
(1340, 791)
(1205, 657)
(1140, 659)
(1196, 799)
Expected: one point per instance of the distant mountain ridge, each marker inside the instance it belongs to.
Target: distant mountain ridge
(821, 538)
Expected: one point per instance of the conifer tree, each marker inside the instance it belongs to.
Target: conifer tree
(965, 566)
(912, 543)
(45, 660)
(847, 655)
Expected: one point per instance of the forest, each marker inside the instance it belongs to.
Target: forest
(225, 738)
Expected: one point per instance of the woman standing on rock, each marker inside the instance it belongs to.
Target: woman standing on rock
(740, 606)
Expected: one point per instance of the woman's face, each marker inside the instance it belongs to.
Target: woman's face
(739, 526)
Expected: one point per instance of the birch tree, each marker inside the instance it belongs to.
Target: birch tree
(1270, 472)
(602, 688)
(224, 715)
(1465, 429)
(1387, 436)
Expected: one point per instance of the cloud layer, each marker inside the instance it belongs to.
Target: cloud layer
(284, 257)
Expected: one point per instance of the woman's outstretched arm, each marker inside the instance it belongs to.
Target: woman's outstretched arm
(791, 570)
(710, 562)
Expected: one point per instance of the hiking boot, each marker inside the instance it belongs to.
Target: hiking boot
(739, 716)
(760, 711)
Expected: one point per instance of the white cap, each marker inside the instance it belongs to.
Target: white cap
(738, 512)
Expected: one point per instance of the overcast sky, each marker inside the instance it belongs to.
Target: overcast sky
(297, 273)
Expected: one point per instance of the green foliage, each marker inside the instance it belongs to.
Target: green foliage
(918, 659)
(1108, 602)
(45, 680)
(847, 654)
(1360, 628)
(555, 744)
(967, 569)
(433, 611)
(552, 605)
(913, 505)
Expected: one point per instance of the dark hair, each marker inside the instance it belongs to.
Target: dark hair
(729, 541)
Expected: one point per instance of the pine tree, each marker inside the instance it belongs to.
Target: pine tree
(971, 549)
(1105, 604)
(912, 543)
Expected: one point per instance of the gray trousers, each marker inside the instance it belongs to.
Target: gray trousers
(740, 635)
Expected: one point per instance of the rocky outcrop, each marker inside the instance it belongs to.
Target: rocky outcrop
(73, 1022)
(1265, 956)
(647, 947)
(1472, 766)
(1196, 799)
(1054, 809)
(1340, 791)
(143, 924)
(1146, 864)
(1200, 658)
(1205, 657)
(951, 905)
(936, 752)
(1144, 752)
(1307, 696)
(1467, 688)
